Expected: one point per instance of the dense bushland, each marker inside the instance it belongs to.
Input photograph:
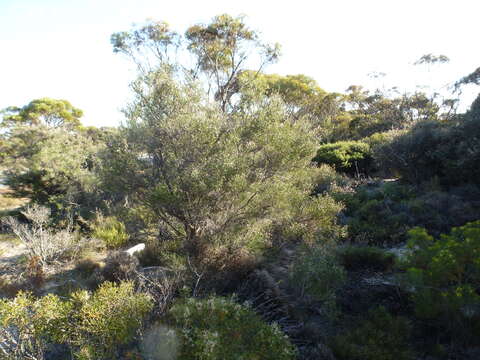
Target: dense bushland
(348, 224)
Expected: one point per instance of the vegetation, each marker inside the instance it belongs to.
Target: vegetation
(216, 328)
(378, 336)
(92, 325)
(274, 219)
(352, 157)
(446, 274)
(355, 258)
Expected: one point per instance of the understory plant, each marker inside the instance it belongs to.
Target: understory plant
(93, 326)
(220, 328)
(444, 275)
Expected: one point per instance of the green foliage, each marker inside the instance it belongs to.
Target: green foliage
(53, 167)
(445, 274)
(371, 113)
(49, 112)
(219, 52)
(351, 157)
(316, 273)
(378, 336)
(219, 328)
(93, 325)
(446, 150)
(108, 318)
(111, 231)
(383, 214)
(302, 97)
(355, 258)
(215, 179)
(378, 215)
(27, 324)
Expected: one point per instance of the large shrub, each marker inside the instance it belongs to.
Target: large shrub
(53, 167)
(221, 329)
(217, 179)
(449, 151)
(351, 157)
(445, 276)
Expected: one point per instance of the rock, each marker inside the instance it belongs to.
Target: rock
(137, 248)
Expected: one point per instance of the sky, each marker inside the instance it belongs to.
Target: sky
(61, 48)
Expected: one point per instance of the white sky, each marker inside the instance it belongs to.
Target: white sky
(61, 48)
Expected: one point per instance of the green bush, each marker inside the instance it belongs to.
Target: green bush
(449, 151)
(379, 336)
(92, 325)
(28, 324)
(383, 214)
(378, 215)
(221, 329)
(111, 231)
(351, 157)
(317, 274)
(108, 318)
(366, 258)
(445, 276)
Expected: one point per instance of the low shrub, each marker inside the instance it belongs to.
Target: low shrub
(87, 266)
(377, 336)
(92, 325)
(221, 329)
(317, 274)
(42, 241)
(356, 258)
(108, 318)
(445, 276)
(111, 231)
(119, 265)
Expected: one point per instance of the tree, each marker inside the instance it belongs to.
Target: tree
(45, 111)
(302, 96)
(220, 51)
(217, 179)
(49, 157)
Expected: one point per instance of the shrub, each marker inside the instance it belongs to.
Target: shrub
(356, 258)
(378, 336)
(119, 265)
(41, 241)
(87, 266)
(449, 151)
(220, 328)
(111, 231)
(379, 215)
(27, 324)
(227, 178)
(445, 275)
(317, 274)
(92, 325)
(383, 215)
(351, 157)
(108, 318)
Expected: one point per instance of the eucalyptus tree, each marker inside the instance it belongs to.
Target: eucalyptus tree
(45, 111)
(214, 53)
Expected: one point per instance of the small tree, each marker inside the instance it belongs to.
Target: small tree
(217, 179)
